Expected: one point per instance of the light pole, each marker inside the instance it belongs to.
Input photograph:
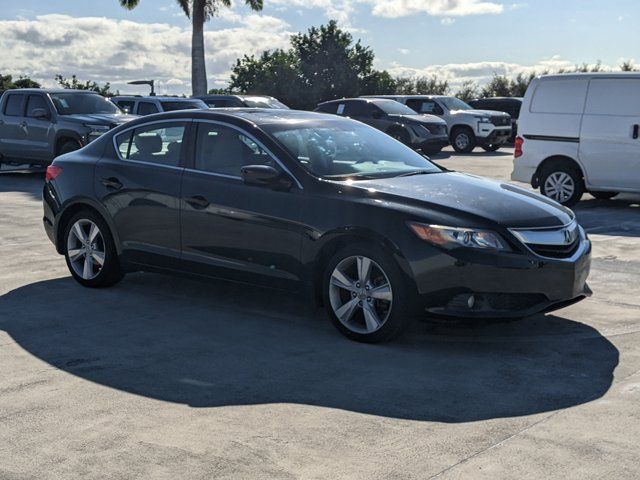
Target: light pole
(145, 82)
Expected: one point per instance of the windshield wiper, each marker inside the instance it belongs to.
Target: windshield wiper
(416, 172)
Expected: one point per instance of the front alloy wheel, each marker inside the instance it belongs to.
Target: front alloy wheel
(361, 294)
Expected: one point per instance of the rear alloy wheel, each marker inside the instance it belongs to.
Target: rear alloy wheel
(463, 140)
(365, 295)
(90, 252)
(604, 195)
(562, 183)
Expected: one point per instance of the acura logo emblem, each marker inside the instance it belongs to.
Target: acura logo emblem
(568, 236)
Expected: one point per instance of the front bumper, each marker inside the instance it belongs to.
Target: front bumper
(497, 136)
(432, 144)
(482, 285)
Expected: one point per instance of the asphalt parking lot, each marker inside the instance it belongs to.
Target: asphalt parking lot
(163, 377)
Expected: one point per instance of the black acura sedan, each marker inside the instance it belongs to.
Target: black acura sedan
(309, 201)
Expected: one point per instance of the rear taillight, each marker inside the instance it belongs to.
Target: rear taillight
(52, 172)
(518, 150)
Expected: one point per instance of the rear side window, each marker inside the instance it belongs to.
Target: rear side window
(36, 102)
(357, 109)
(126, 105)
(14, 106)
(614, 97)
(225, 150)
(560, 96)
(147, 108)
(160, 144)
(328, 108)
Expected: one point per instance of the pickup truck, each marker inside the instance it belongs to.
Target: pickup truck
(37, 125)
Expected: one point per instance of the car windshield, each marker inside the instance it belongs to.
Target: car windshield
(172, 105)
(453, 103)
(342, 149)
(83, 104)
(264, 102)
(391, 107)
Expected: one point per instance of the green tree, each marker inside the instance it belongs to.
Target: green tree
(422, 85)
(498, 86)
(74, 83)
(468, 91)
(322, 64)
(7, 82)
(199, 11)
(628, 66)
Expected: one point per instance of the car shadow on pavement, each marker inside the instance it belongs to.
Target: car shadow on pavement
(214, 344)
(619, 216)
(27, 181)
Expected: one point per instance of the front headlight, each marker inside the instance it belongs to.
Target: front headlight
(97, 129)
(484, 119)
(454, 237)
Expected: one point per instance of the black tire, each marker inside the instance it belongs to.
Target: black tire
(558, 169)
(401, 135)
(463, 140)
(68, 147)
(491, 147)
(110, 272)
(604, 195)
(400, 311)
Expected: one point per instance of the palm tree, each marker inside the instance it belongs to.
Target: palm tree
(199, 11)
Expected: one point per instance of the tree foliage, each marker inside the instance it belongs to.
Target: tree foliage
(422, 85)
(74, 83)
(7, 82)
(322, 64)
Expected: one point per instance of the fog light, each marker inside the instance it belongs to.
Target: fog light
(471, 301)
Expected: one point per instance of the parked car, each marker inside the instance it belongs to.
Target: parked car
(307, 201)
(242, 101)
(36, 125)
(578, 133)
(148, 105)
(468, 128)
(421, 132)
(510, 105)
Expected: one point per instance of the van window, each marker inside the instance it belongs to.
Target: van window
(609, 96)
(560, 96)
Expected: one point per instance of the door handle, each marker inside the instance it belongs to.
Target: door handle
(198, 202)
(636, 131)
(111, 183)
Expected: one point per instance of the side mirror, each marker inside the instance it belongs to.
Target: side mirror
(265, 176)
(40, 114)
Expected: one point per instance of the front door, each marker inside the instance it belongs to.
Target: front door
(38, 130)
(231, 229)
(139, 183)
(12, 126)
(610, 134)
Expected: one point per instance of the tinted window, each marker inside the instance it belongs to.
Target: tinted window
(14, 106)
(424, 106)
(156, 143)
(126, 105)
(225, 150)
(392, 107)
(184, 105)
(82, 104)
(559, 95)
(35, 102)
(358, 109)
(328, 108)
(453, 103)
(264, 102)
(147, 108)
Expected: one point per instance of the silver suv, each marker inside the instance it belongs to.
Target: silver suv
(142, 106)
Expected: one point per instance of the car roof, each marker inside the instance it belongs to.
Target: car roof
(591, 75)
(372, 99)
(50, 90)
(149, 97)
(501, 99)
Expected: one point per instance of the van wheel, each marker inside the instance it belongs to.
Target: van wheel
(562, 183)
(491, 147)
(366, 295)
(463, 140)
(604, 195)
(90, 251)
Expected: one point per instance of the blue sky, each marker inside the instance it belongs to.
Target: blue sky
(459, 39)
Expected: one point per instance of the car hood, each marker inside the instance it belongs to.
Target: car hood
(486, 113)
(422, 118)
(505, 204)
(100, 118)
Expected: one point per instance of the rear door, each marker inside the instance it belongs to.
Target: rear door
(139, 183)
(610, 134)
(13, 126)
(232, 229)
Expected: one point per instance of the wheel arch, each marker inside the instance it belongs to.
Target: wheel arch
(73, 208)
(556, 160)
(334, 241)
(63, 137)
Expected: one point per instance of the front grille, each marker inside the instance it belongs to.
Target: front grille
(501, 121)
(555, 251)
(436, 128)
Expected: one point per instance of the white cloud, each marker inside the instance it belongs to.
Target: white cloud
(117, 51)
(447, 21)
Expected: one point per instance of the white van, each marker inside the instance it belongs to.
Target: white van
(580, 132)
